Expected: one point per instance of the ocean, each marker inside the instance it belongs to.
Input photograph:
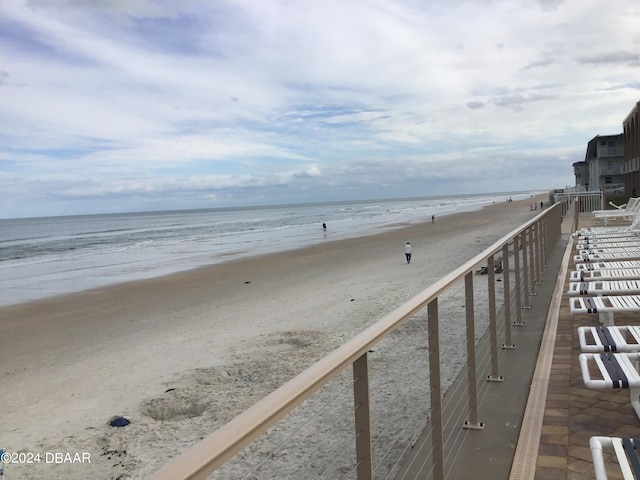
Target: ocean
(42, 257)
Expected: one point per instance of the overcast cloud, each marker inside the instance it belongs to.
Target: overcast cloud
(126, 105)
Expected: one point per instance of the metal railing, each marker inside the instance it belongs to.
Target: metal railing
(586, 201)
(605, 151)
(527, 248)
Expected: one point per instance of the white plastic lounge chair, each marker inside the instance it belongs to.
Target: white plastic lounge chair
(624, 338)
(630, 207)
(626, 452)
(612, 370)
(608, 230)
(609, 236)
(590, 251)
(605, 306)
(605, 287)
(618, 206)
(604, 274)
(628, 242)
(608, 265)
(610, 255)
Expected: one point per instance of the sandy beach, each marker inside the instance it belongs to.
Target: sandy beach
(180, 355)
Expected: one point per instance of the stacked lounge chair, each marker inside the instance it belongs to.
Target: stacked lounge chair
(607, 281)
(632, 252)
(607, 275)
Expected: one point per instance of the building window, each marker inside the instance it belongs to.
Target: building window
(608, 180)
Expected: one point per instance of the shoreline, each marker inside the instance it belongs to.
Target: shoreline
(383, 231)
(146, 253)
(74, 361)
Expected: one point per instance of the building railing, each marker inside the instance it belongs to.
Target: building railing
(604, 151)
(586, 201)
(521, 254)
(606, 170)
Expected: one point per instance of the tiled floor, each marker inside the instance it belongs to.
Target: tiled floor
(574, 413)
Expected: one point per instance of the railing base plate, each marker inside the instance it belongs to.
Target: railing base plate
(473, 426)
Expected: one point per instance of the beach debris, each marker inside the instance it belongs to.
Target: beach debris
(353, 299)
(169, 390)
(113, 453)
(118, 421)
(246, 283)
(484, 270)
(116, 455)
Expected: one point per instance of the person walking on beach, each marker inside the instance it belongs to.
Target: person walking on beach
(408, 252)
(433, 219)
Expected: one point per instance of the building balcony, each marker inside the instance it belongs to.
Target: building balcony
(610, 151)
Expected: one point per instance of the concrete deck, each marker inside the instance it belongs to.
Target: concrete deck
(553, 428)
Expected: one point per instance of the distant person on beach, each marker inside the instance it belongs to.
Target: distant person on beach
(541, 205)
(408, 251)
(433, 219)
(324, 226)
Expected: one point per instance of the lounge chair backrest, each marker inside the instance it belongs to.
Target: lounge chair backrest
(632, 207)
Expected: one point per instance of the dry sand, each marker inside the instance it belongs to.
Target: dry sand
(181, 355)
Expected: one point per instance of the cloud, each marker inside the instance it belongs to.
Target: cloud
(619, 57)
(518, 102)
(475, 105)
(143, 104)
(540, 63)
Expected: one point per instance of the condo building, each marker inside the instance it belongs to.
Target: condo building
(631, 134)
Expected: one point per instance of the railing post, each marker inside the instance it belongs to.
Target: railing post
(518, 274)
(525, 269)
(544, 240)
(538, 239)
(472, 381)
(507, 297)
(549, 237)
(364, 455)
(437, 440)
(531, 281)
(493, 328)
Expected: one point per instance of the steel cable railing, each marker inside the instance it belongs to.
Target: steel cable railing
(215, 450)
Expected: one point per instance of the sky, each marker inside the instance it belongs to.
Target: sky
(136, 105)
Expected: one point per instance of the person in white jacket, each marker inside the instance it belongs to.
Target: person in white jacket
(408, 251)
